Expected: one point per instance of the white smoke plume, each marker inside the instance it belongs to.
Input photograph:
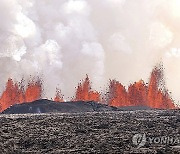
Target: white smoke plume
(62, 40)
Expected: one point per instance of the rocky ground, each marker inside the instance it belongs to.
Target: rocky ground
(97, 132)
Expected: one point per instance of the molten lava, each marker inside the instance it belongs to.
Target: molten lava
(58, 97)
(85, 93)
(154, 94)
(15, 93)
(117, 95)
(158, 96)
(33, 90)
(10, 95)
(137, 94)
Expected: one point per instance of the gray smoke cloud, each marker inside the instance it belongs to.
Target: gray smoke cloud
(62, 40)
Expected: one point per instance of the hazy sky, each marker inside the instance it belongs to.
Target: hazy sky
(63, 40)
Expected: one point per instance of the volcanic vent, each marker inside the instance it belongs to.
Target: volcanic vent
(152, 94)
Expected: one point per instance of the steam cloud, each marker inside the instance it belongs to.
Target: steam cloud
(62, 40)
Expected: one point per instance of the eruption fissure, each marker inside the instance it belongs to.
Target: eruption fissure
(154, 94)
(16, 93)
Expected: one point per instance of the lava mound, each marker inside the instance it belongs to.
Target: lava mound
(47, 106)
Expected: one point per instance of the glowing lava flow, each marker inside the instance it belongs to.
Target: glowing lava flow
(117, 95)
(33, 90)
(154, 94)
(158, 96)
(15, 93)
(85, 93)
(137, 94)
(58, 97)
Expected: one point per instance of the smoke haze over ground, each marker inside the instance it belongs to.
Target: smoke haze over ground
(62, 40)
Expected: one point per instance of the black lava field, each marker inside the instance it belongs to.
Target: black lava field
(91, 132)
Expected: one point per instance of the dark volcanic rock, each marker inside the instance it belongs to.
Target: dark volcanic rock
(46, 106)
(92, 132)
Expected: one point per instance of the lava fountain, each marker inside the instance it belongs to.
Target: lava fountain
(153, 94)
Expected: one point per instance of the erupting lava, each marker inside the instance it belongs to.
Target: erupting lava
(33, 90)
(117, 95)
(58, 97)
(85, 93)
(154, 94)
(15, 93)
(137, 94)
(158, 96)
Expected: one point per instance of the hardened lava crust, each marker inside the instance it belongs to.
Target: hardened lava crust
(89, 132)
